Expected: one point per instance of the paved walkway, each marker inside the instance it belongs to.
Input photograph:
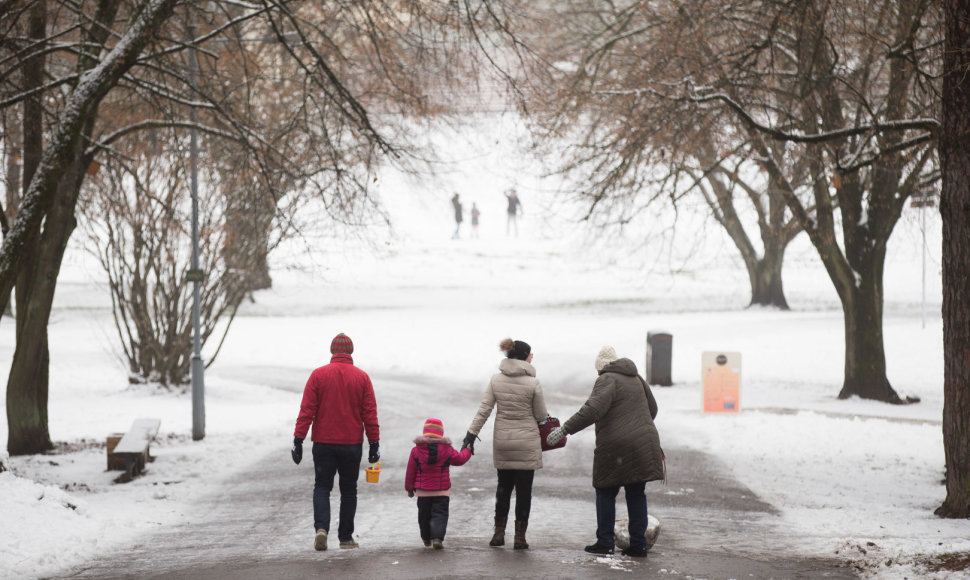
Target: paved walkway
(259, 524)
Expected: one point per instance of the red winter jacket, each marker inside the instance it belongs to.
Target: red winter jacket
(428, 464)
(339, 400)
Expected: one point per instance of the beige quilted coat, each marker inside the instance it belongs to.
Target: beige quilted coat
(517, 394)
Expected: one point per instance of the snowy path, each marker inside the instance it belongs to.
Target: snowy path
(259, 523)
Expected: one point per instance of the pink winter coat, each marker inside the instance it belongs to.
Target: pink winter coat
(429, 462)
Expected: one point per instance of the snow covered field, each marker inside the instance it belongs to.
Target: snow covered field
(852, 479)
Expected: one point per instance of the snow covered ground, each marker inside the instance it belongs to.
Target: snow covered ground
(853, 479)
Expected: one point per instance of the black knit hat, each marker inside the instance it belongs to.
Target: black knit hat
(521, 350)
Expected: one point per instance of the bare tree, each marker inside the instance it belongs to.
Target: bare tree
(850, 87)
(631, 147)
(836, 101)
(30, 257)
(955, 203)
(116, 69)
(136, 219)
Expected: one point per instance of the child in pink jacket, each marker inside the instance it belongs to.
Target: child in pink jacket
(428, 478)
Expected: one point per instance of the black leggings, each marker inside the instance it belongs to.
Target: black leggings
(521, 481)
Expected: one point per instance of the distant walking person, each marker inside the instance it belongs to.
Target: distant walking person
(428, 476)
(627, 453)
(516, 449)
(458, 217)
(514, 209)
(339, 401)
(475, 214)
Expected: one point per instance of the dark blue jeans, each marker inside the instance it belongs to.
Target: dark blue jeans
(636, 507)
(433, 517)
(330, 460)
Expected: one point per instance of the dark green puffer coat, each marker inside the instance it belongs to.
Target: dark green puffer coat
(627, 443)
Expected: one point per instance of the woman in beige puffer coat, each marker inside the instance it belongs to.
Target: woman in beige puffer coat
(516, 449)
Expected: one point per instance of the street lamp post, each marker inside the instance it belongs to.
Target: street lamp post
(195, 274)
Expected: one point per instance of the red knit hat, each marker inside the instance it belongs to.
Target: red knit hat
(341, 344)
(434, 428)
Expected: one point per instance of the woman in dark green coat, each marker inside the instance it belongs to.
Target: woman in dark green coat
(627, 454)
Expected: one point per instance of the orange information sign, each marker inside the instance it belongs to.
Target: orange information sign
(721, 372)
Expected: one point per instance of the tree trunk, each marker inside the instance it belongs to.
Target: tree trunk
(766, 284)
(249, 220)
(261, 278)
(955, 211)
(865, 355)
(29, 371)
(764, 272)
(28, 383)
(13, 155)
(26, 403)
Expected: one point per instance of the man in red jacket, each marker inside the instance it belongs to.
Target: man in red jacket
(339, 401)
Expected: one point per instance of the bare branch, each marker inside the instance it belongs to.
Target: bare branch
(930, 125)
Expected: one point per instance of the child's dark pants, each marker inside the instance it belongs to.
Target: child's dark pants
(433, 517)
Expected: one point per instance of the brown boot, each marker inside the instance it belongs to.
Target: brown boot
(498, 539)
(520, 527)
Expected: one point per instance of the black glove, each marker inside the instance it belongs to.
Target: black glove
(375, 452)
(297, 450)
(469, 442)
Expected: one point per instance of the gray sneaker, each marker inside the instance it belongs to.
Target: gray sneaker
(320, 542)
(436, 544)
(348, 544)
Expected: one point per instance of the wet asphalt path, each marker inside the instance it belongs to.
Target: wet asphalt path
(259, 524)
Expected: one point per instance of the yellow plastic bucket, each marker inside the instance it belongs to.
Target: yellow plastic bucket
(372, 473)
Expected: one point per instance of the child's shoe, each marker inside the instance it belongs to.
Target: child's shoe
(437, 544)
(427, 543)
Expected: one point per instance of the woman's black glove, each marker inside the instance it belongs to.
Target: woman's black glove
(297, 450)
(469, 442)
(375, 452)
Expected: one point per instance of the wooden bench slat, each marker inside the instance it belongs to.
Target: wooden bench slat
(142, 432)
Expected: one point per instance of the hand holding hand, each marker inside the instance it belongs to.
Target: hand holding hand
(375, 452)
(469, 442)
(556, 435)
(296, 452)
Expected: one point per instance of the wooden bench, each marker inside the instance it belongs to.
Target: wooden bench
(129, 452)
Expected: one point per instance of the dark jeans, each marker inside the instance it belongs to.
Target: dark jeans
(433, 517)
(521, 481)
(636, 507)
(330, 460)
